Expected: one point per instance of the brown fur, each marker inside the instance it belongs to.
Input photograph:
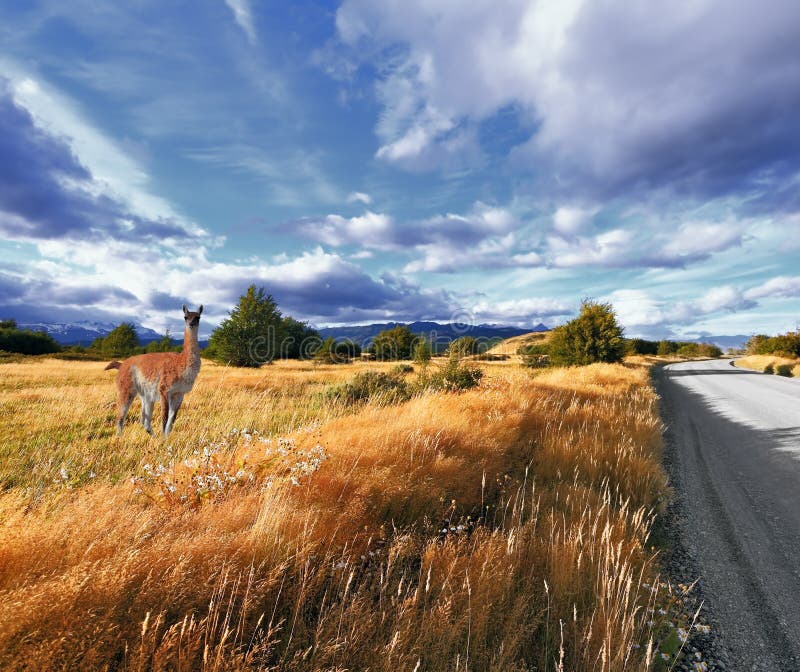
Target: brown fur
(167, 370)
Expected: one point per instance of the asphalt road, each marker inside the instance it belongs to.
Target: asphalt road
(734, 436)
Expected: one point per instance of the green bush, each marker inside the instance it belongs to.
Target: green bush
(452, 377)
(26, 342)
(394, 343)
(422, 352)
(769, 368)
(466, 345)
(401, 369)
(122, 341)
(787, 345)
(593, 336)
(784, 370)
(164, 344)
(640, 346)
(371, 386)
(331, 351)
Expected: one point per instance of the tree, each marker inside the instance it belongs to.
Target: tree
(640, 346)
(164, 344)
(122, 341)
(394, 343)
(25, 342)
(300, 340)
(422, 352)
(252, 333)
(593, 336)
(666, 348)
(466, 345)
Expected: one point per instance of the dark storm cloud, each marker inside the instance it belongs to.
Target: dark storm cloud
(30, 300)
(43, 192)
(700, 100)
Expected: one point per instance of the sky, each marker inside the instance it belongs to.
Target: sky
(483, 161)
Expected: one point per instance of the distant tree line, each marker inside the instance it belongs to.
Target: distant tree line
(25, 341)
(665, 348)
(787, 345)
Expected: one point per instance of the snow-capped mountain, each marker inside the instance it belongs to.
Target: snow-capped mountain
(85, 331)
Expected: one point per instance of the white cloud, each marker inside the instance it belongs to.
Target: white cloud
(782, 287)
(620, 94)
(521, 312)
(638, 310)
(569, 221)
(359, 197)
(243, 15)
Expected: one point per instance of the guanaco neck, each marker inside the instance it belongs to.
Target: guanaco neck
(191, 348)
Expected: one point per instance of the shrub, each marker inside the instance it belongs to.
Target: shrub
(466, 345)
(784, 370)
(249, 336)
(769, 368)
(300, 341)
(422, 352)
(593, 336)
(535, 355)
(640, 346)
(164, 344)
(401, 369)
(452, 377)
(26, 342)
(336, 352)
(666, 348)
(394, 343)
(371, 386)
(122, 341)
(787, 345)
(689, 350)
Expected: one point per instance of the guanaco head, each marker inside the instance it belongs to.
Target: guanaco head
(192, 319)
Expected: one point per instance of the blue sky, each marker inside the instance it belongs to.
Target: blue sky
(365, 161)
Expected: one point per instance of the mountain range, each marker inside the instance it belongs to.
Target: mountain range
(85, 331)
(436, 332)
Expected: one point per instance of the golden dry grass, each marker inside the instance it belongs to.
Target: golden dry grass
(762, 362)
(503, 528)
(510, 346)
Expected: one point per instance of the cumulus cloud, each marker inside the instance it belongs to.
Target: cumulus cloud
(523, 312)
(780, 287)
(484, 237)
(642, 313)
(642, 245)
(569, 220)
(620, 95)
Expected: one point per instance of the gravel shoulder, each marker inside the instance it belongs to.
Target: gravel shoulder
(732, 451)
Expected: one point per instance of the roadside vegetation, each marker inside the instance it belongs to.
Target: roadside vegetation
(334, 513)
(779, 355)
(500, 527)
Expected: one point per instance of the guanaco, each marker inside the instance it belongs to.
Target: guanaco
(168, 375)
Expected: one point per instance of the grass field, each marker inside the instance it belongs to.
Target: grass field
(770, 364)
(501, 528)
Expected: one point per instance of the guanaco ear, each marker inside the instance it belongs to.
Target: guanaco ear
(200, 309)
(184, 310)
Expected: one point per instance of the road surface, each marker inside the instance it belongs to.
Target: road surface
(734, 436)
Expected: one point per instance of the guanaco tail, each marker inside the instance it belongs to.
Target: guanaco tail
(165, 375)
